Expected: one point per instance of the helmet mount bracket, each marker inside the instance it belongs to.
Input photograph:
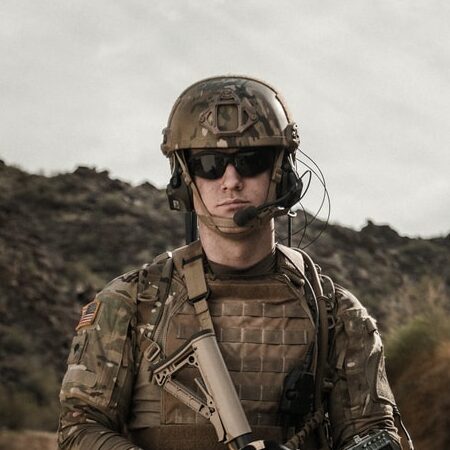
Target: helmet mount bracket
(239, 114)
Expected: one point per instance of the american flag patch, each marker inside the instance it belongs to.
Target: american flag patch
(88, 314)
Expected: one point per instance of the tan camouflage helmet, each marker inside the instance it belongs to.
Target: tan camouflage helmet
(229, 112)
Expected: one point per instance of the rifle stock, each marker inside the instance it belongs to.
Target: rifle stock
(221, 404)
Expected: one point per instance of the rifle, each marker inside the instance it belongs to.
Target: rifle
(220, 403)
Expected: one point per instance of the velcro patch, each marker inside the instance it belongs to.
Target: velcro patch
(88, 314)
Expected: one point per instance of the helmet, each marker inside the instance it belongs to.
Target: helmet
(229, 111)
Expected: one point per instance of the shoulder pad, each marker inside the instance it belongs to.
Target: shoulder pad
(150, 276)
(162, 257)
(118, 295)
(186, 253)
(293, 256)
(346, 302)
(149, 271)
(124, 285)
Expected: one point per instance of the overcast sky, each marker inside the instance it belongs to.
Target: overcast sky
(92, 83)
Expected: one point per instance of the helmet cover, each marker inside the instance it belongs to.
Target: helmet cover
(229, 112)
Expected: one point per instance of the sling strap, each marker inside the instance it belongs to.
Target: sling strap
(189, 262)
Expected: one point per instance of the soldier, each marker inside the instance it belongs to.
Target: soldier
(305, 358)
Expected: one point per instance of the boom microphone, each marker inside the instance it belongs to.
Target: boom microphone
(245, 215)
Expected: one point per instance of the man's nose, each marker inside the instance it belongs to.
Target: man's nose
(231, 178)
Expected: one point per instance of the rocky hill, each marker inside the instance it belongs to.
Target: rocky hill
(63, 237)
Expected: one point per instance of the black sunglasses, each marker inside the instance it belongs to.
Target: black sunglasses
(212, 164)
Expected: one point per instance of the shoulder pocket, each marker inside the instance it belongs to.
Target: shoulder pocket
(376, 374)
(77, 348)
(364, 363)
(79, 376)
(98, 352)
(359, 330)
(106, 347)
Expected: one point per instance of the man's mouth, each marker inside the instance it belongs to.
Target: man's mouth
(233, 202)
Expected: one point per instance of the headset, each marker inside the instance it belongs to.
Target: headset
(178, 192)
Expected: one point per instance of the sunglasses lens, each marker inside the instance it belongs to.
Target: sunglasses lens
(248, 163)
(252, 163)
(207, 165)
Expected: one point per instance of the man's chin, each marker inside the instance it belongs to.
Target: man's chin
(235, 234)
(225, 226)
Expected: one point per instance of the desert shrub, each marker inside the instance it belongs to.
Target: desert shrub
(418, 364)
(422, 335)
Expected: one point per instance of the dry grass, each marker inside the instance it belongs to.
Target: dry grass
(419, 359)
(424, 398)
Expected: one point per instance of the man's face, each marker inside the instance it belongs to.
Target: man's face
(224, 196)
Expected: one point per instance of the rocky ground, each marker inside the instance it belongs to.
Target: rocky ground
(63, 237)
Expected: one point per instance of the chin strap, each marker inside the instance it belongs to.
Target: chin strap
(226, 226)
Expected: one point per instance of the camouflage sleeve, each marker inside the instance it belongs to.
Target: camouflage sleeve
(361, 399)
(96, 389)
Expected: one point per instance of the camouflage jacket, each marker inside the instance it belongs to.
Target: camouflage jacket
(97, 389)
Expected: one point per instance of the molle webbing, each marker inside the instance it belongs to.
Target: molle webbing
(263, 328)
(191, 437)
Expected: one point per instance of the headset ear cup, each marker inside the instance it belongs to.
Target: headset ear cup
(178, 192)
(290, 183)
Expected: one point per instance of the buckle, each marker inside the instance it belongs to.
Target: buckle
(203, 296)
(152, 351)
(329, 306)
